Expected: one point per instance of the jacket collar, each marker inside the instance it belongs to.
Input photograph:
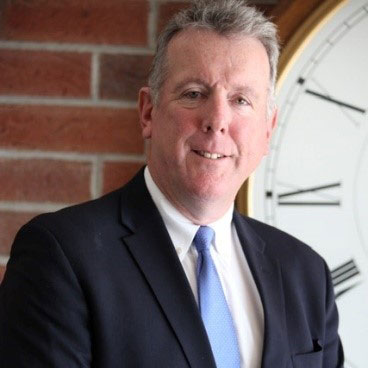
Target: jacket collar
(267, 274)
(150, 245)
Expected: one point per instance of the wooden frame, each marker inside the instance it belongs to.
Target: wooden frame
(311, 23)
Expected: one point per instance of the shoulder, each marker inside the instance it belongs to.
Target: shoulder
(290, 252)
(96, 224)
(95, 214)
(304, 273)
(82, 217)
(78, 232)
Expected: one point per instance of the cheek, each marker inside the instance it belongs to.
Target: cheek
(185, 119)
(251, 140)
(182, 128)
(176, 121)
(171, 134)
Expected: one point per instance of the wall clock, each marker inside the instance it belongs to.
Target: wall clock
(314, 182)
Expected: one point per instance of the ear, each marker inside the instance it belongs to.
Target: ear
(271, 125)
(145, 106)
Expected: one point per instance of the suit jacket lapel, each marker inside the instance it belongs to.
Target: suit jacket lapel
(267, 275)
(152, 249)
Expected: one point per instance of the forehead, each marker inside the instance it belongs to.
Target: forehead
(198, 50)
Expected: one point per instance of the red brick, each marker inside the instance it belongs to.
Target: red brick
(78, 129)
(81, 21)
(117, 174)
(167, 10)
(44, 73)
(123, 75)
(44, 180)
(10, 222)
(2, 271)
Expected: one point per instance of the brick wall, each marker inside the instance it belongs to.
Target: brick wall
(70, 71)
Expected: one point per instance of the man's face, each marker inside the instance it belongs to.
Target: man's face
(209, 129)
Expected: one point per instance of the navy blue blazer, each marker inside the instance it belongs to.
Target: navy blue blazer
(100, 285)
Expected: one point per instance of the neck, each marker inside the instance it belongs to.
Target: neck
(200, 211)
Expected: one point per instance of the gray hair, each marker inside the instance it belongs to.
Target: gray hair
(226, 17)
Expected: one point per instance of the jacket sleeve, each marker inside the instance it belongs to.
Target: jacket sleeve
(43, 313)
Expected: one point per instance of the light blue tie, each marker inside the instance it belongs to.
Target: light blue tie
(212, 305)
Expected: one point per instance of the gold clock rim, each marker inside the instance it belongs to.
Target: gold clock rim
(289, 55)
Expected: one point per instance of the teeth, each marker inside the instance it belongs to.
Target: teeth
(212, 156)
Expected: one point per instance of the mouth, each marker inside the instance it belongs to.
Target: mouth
(210, 155)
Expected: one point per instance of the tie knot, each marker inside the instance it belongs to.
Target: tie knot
(203, 238)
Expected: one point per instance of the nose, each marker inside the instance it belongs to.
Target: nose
(217, 115)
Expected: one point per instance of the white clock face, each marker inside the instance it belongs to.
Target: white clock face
(314, 182)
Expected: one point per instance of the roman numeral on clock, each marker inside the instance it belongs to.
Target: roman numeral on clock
(342, 275)
(286, 199)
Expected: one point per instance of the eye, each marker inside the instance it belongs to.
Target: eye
(192, 95)
(241, 101)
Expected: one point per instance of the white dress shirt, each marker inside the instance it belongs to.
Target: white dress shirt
(237, 281)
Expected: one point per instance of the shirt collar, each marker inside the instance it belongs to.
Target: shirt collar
(181, 229)
(223, 233)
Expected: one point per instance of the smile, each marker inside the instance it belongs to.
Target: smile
(212, 156)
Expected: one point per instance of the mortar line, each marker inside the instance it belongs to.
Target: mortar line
(69, 156)
(152, 23)
(69, 102)
(95, 76)
(3, 260)
(19, 206)
(96, 182)
(77, 47)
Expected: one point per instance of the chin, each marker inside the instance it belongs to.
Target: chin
(207, 192)
(207, 185)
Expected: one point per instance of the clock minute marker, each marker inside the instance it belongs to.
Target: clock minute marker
(269, 194)
(294, 193)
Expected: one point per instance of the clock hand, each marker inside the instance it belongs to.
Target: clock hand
(308, 190)
(330, 99)
(312, 189)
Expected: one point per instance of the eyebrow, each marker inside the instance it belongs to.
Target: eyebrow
(191, 80)
(247, 90)
(199, 81)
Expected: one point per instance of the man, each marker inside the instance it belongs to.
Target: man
(120, 281)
